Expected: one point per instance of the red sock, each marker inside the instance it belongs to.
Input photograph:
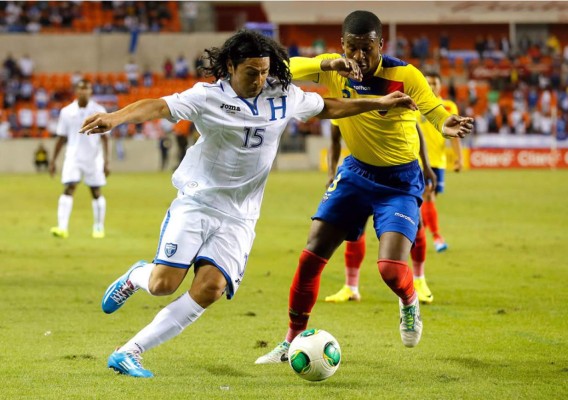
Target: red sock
(430, 216)
(398, 277)
(304, 291)
(418, 252)
(354, 255)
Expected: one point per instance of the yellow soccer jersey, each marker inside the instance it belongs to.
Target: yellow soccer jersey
(382, 138)
(435, 143)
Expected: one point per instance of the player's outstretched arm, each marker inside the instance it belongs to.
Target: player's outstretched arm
(61, 140)
(430, 178)
(456, 126)
(333, 154)
(135, 113)
(341, 108)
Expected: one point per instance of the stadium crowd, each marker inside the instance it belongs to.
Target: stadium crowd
(74, 16)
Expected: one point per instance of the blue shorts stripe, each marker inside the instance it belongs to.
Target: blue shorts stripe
(164, 225)
(171, 264)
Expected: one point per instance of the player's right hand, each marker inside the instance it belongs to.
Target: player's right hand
(97, 123)
(347, 67)
(330, 180)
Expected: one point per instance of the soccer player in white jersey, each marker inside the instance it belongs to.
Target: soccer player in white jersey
(86, 158)
(220, 182)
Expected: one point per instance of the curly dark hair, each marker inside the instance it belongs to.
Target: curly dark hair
(247, 44)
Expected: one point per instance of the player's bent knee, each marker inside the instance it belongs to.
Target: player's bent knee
(162, 287)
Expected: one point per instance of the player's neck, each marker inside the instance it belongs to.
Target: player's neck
(82, 103)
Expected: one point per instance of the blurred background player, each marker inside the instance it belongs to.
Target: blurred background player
(355, 250)
(436, 145)
(86, 158)
(41, 158)
(381, 177)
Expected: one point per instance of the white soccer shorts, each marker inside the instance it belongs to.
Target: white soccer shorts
(92, 175)
(192, 232)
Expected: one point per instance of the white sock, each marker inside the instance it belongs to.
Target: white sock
(64, 208)
(99, 211)
(168, 323)
(140, 277)
(354, 289)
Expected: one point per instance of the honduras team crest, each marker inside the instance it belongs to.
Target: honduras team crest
(171, 249)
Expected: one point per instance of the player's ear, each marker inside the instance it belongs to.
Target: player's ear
(230, 67)
(381, 43)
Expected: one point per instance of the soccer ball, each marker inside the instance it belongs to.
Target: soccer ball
(314, 355)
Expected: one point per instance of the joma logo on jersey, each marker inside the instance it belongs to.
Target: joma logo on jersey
(230, 107)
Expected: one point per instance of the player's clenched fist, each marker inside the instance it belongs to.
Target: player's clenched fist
(346, 67)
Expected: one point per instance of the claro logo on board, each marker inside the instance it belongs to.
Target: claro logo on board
(518, 158)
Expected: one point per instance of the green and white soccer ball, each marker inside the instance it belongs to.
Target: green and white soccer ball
(314, 355)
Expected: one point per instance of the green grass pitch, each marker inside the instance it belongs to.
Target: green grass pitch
(497, 329)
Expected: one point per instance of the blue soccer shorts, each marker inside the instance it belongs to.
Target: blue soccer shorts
(392, 195)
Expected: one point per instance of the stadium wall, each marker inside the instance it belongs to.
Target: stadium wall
(17, 155)
(107, 52)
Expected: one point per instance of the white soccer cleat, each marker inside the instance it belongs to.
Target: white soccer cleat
(98, 233)
(278, 355)
(410, 323)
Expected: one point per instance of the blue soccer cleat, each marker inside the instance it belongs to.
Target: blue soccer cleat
(128, 363)
(120, 290)
(440, 245)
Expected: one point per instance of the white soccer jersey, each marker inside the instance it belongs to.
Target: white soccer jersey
(81, 148)
(228, 166)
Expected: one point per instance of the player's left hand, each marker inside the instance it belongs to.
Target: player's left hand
(458, 165)
(430, 178)
(106, 169)
(456, 126)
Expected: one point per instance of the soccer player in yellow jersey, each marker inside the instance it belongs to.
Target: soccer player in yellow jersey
(381, 177)
(437, 155)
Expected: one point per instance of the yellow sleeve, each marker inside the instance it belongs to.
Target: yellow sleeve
(334, 122)
(308, 69)
(437, 117)
(429, 105)
(305, 69)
